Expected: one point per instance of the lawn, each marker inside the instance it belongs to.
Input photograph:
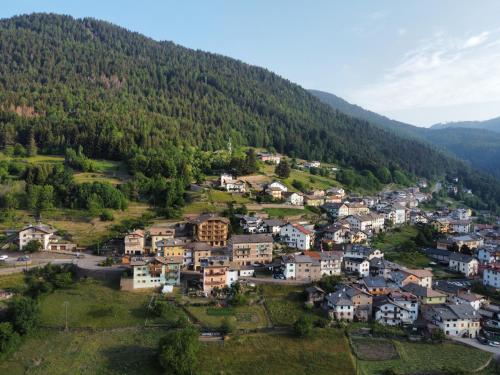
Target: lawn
(218, 196)
(314, 181)
(285, 212)
(285, 304)
(422, 357)
(94, 304)
(244, 317)
(392, 243)
(14, 282)
(326, 353)
(59, 353)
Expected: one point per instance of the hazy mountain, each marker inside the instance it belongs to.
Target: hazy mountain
(473, 143)
(492, 125)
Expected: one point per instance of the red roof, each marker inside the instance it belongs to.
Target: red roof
(302, 229)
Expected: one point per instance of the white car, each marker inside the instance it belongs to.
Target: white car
(4, 257)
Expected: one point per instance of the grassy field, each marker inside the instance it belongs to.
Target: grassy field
(244, 317)
(14, 282)
(285, 212)
(392, 246)
(326, 353)
(420, 358)
(314, 181)
(83, 229)
(86, 353)
(285, 304)
(94, 304)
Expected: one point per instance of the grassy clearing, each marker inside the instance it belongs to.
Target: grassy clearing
(35, 159)
(14, 282)
(91, 177)
(96, 305)
(285, 212)
(326, 353)
(60, 353)
(244, 317)
(420, 358)
(218, 196)
(285, 304)
(392, 245)
(314, 181)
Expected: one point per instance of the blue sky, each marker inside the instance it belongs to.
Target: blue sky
(419, 61)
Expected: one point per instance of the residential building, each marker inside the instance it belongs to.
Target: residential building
(366, 222)
(314, 201)
(295, 199)
(382, 267)
(359, 251)
(154, 272)
(160, 232)
(201, 251)
(454, 320)
(315, 294)
(488, 255)
(472, 241)
(301, 267)
(336, 210)
(491, 276)
(273, 226)
(247, 249)
(252, 224)
(211, 229)
(403, 277)
(464, 264)
(38, 232)
(214, 274)
(231, 185)
(134, 242)
(359, 266)
(173, 247)
(461, 226)
(357, 208)
(330, 261)
(339, 306)
(439, 255)
(426, 296)
(296, 236)
(270, 158)
(395, 310)
(475, 300)
(376, 285)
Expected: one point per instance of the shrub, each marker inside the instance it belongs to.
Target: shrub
(178, 351)
(33, 246)
(303, 327)
(9, 339)
(107, 215)
(24, 312)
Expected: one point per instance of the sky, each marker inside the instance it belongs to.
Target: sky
(417, 61)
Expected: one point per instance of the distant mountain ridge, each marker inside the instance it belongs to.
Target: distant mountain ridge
(475, 141)
(491, 124)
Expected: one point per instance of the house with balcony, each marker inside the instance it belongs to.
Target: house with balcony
(211, 229)
(134, 242)
(214, 274)
(153, 273)
(248, 249)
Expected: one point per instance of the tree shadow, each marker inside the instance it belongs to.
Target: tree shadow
(132, 359)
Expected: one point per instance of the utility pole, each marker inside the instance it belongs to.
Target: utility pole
(66, 316)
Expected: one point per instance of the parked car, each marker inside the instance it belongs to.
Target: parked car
(4, 257)
(23, 258)
(482, 340)
(493, 343)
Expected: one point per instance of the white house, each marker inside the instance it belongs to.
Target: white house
(39, 232)
(295, 199)
(359, 266)
(491, 276)
(277, 185)
(232, 185)
(330, 262)
(288, 265)
(340, 305)
(473, 299)
(398, 308)
(358, 251)
(156, 272)
(461, 226)
(295, 235)
(367, 222)
(454, 320)
(464, 263)
(488, 255)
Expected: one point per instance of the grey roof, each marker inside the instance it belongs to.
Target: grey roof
(274, 222)
(354, 260)
(436, 252)
(339, 298)
(421, 291)
(374, 282)
(251, 238)
(314, 289)
(459, 257)
(204, 217)
(450, 286)
(460, 311)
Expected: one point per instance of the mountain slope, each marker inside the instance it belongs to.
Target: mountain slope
(491, 125)
(478, 146)
(67, 82)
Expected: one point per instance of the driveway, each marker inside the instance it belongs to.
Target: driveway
(478, 345)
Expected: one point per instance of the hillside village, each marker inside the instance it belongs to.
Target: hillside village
(207, 254)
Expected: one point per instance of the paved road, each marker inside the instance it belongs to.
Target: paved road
(478, 345)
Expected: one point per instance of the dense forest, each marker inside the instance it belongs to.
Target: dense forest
(67, 83)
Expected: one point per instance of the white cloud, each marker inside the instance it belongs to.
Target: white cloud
(442, 71)
(476, 40)
(401, 32)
